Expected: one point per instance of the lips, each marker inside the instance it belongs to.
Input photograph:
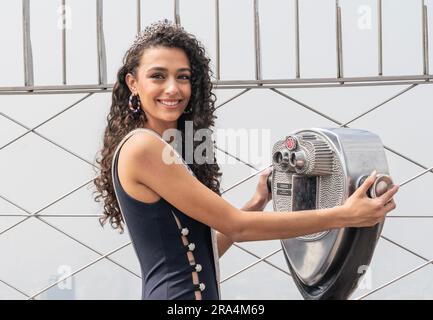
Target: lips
(170, 103)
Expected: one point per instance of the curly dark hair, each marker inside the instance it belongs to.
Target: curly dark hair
(121, 120)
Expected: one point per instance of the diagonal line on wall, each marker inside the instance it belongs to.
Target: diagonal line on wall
(14, 288)
(39, 125)
(237, 158)
(251, 265)
(404, 248)
(258, 257)
(399, 277)
(79, 270)
(45, 138)
(35, 214)
(379, 105)
(30, 215)
(340, 123)
(395, 280)
(232, 98)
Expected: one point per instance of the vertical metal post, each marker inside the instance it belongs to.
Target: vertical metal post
(27, 45)
(425, 38)
(63, 41)
(138, 16)
(102, 60)
(339, 39)
(257, 40)
(297, 56)
(217, 39)
(379, 37)
(176, 12)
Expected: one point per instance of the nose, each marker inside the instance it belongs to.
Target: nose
(172, 87)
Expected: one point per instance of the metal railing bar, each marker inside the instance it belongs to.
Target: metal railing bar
(297, 45)
(27, 45)
(138, 17)
(176, 12)
(379, 38)
(234, 87)
(237, 84)
(425, 38)
(102, 58)
(217, 40)
(339, 39)
(324, 80)
(257, 45)
(64, 41)
(333, 85)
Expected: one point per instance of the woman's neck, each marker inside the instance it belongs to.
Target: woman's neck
(160, 127)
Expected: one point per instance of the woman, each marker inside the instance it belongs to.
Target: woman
(171, 208)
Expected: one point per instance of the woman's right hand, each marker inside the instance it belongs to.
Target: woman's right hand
(362, 211)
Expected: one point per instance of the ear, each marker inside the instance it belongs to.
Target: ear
(131, 83)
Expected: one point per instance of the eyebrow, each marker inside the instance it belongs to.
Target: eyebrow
(165, 70)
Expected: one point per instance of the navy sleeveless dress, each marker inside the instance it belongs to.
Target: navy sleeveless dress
(156, 231)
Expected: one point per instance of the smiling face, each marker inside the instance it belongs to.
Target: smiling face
(162, 81)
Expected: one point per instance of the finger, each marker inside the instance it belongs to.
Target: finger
(390, 206)
(363, 188)
(265, 174)
(386, 209)
(387, 196)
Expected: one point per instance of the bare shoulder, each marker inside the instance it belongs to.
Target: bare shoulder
(139, 145)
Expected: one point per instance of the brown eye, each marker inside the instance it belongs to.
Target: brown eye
(157, 76)
(184, 77)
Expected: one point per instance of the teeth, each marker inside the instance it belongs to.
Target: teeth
(170, 104)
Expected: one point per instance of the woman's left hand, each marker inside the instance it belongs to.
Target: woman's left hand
(262, 196)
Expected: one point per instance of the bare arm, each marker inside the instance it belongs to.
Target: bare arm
(143, 153)
(225, 242)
